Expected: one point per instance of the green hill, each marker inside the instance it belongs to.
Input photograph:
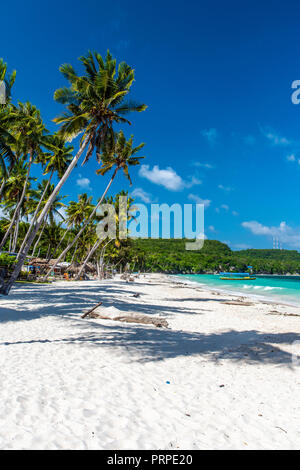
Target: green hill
(170, 256)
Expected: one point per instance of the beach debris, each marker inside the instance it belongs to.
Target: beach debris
(278, 427)
(284, 314)
(136, 295)
(91, 310)
(238, 302)
(112, 313)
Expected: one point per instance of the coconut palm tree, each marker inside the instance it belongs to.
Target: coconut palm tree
(6, 154)
(118, 154)
(14, 197)
(28, 129)
(76, 213)
(94, 102)
(56, 161)
(37, 202)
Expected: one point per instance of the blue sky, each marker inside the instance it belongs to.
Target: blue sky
(220, 125)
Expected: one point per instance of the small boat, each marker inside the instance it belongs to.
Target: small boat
(237, 277)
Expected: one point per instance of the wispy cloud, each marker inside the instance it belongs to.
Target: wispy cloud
(139, 193)
(225, 188)
(167, 177)
(199, 200)
(203, 165)
(275, 138)
(285, 233)
(291, 158)
(210, 134)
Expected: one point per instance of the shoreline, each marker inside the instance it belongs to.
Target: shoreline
(257, 297)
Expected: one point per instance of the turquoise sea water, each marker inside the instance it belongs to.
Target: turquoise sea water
(284, 289)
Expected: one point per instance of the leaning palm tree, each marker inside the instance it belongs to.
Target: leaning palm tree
(29, 130)
(94, 102)
(37, 202)
(118, 153)
(14, 196)
(56, 161)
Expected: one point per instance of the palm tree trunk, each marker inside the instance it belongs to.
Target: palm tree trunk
(15, 238)
(18, 205)
(91, 252)
(35, 214)
(10, 242)
(62, 239)
(88, 220)
(74, 253)
(8, 285)
(2, 187)
(38, 240)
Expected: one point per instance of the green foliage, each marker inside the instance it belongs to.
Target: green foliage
(170, 256)
(7, 260)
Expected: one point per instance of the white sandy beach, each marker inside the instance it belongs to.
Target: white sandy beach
(221, 376)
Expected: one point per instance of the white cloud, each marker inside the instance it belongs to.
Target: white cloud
(139, 193)
(283, 232)
(203, 165)
(192, 182)
(225, 188)
(210, 135)
(225, 207)
(199, 200)
(83, 183)
(235, 213)
(167, 177)
(274, 138)
(211, 228)
(291, 158)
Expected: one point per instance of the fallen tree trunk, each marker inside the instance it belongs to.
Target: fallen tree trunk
(91, 310)
(158, 322)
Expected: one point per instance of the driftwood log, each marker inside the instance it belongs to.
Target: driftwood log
(158, 322)
(91, 310)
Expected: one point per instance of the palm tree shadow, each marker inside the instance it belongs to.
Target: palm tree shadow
(142, 342)
(154, 344)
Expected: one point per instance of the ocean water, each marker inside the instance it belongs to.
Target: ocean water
(285, 289)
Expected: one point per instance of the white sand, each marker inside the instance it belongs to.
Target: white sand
(68, 382)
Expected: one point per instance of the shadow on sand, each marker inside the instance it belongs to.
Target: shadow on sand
(143, 343)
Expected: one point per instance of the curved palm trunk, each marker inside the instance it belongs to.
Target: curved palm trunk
(101, 261)
(35, 215)
(62, 239)
(91, 252)
(15, 238)
(2, 187)
(8, 285)
(10, 242)
(18, 205)
(74, 253)
(88, 220)
(38, 240)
